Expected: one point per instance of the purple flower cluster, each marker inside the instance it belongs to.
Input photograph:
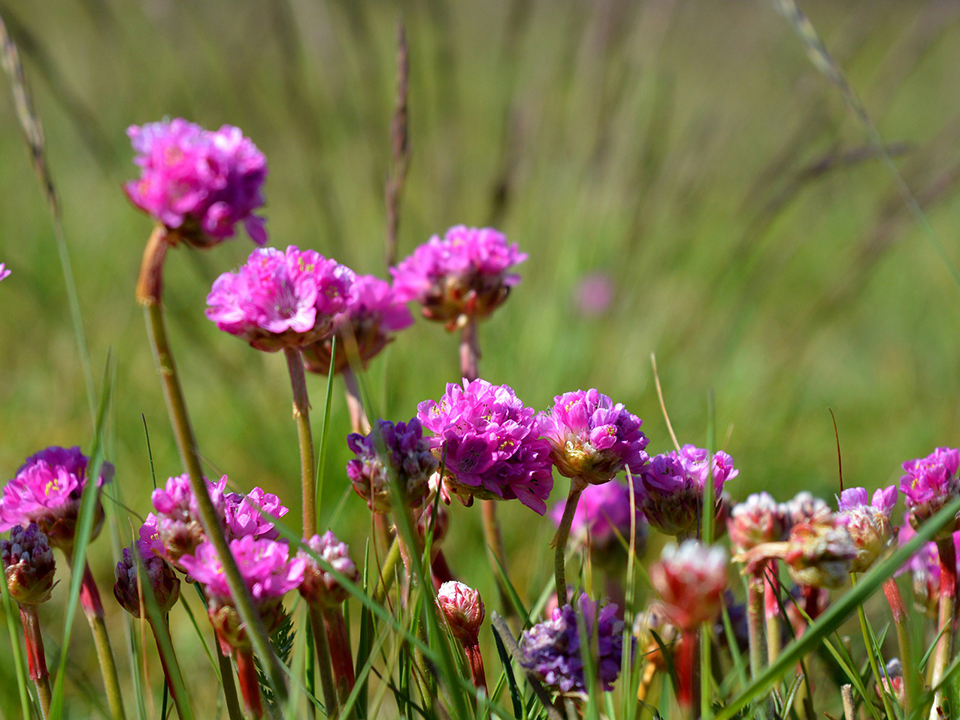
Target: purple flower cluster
(552, 649)
(391, 450)
(199, 182)
(159, 580)
(490, 444)
(28, 565)
(372, 315)
(930, 483)
(319, 586)
(591, 438)
(280, 299)
(673, 487)
(464, 274)
(603, 515)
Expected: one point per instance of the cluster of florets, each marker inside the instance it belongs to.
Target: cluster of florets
(252, 514)
(280, 298)
(177, 520)
(47, 491)
(869, 523)
(320, 586)
(553, 649)
(463, 275)
(28, 565)
(372, 315)
(490, 444)
(757, 520)
(131, 588)
(605, 517)
(690, 579)
(198, 182)
(591, 438)
(463, 610)
(929, 484)
(391, 452)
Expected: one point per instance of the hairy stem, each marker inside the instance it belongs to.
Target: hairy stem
(249, 685)
(358, 416)
(475, 659)
(469, 351)
(560, 541)
(36, 658)
(301, 413)
(323, 661)
(387, 572)
(340, 656)
(758, 643)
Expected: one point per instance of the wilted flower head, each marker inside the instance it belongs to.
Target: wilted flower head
(199, 182)
(929, 484)
(464, 274)
(690, 579)
(673, 488)
(4, 273)
(160, 579)
(603, 514)
(490, 444)
(177, 518)
(463, 609)
(252, 514)
(592, 439)
(818, 554)
(868, 523)
(320, 587)
(758, 519)
(373, 314)
(391, 449)
(28, 565)
(47, 491)
(805, 507)
(552, 649)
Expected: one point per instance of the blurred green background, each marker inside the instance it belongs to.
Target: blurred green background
(690, 152)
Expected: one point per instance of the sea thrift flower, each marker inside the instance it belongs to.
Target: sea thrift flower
(198, 182)
(892, 680)
(759, 519)
(602, 518)
(463, 610)
(466, 274)
(673, 487)
(319, 586)
(594, 295)
(691, 579)
(47, 491)
(929, 484)
(552, 649)
(490, 444)
(373, 313)
(4, 273)
(818, 554)
(268, 572)
(591, 439)
(924, 568)
(28, 565)
(252, 514)
(160, 580)
(391, 451)
(868, 523)
(177, 518)
(806, 508)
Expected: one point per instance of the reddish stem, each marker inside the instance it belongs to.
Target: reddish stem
(895, 600)
(687, 674)
(340, 656)
(36, 660)
(249, 685)
(90, 595)
(476, 665)
(948, 606)
(441, 571)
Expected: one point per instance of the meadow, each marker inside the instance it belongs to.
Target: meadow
(690, 154)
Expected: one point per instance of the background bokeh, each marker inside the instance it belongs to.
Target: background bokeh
(688, 153)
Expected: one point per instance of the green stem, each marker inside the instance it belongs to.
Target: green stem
(948, 606)
(168, 664)
(229, 686)
(387, 572)
(758, 645)
(871, 655)
(323, 660)
(209, 518)
(301, 412)
(899, 612)
(560, 541)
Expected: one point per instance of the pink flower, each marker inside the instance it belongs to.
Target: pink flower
(868, 523)
(463, 609)
(929, 484)
(691, 579)
(4, 273)
(199, 182)
(178, 516)
(252, 514)
(280, 299)
(759, 519)
(464, 274)
(372, 315)
(490, 444)
(265, 565)
(319, 586)
(148, 541)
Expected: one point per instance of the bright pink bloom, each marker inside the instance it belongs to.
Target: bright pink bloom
(178, 516)
(148, 541)
(691, 579)
(929, 484)
(199, 182)
(490, 443)
(252, 514)
(280, 299)
(465, 273)
(4, 273)
(265, 565)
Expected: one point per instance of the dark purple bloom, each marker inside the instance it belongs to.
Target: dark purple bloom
(280, 299)
(591, 438)
(929, 484)
(391, 450)
(552, 649)
(160, 580)
(603, 515)
(320, 587)
(199, 182)
(490, 444)
(28, 565)
(464, 274)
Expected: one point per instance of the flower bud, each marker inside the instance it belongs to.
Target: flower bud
(28, 565)
(320, 587)
(463, 609)
(759, 519)
(891, 680)
(820, 554)
(691, 579)
(161, 580)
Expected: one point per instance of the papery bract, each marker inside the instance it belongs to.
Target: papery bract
(463, 610)
(758, 519)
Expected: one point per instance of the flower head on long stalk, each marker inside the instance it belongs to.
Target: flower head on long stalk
(320, 587)
(930, 483)
(159, 579)
(690, 579)
(868, 523)
(28, 565)
(177, 519)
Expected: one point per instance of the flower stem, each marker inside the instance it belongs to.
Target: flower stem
(899, 612)
(469, 351)
(387, 572)
(249, 685)
(560, 541)
(688, 672)
(36, 658)
(871, 655)
(475, 659)
(301, 413)
(229, 687)
(181, 703)
(948, 606)
(358, 416)
(440, 571)
(323, 660)
(340, 656)
(758, 644)
(772, 611)
(190, 456)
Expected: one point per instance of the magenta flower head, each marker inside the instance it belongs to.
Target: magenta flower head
(868, 523)
(602, 520)
(691, 579)
(552, 649)
(268, 571)
(373, 314)
(280, 299)
(177, 518)
(463, 609)
(673, 486)
(759, 519)
(159, 579)
(4, 273)
(391, 452)
(591, 439)
(28, 565)
(929, 484)
(319, 586)
(490, 443)
(252, 514)
(464, 275)
(47, 490)
(198, 182)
